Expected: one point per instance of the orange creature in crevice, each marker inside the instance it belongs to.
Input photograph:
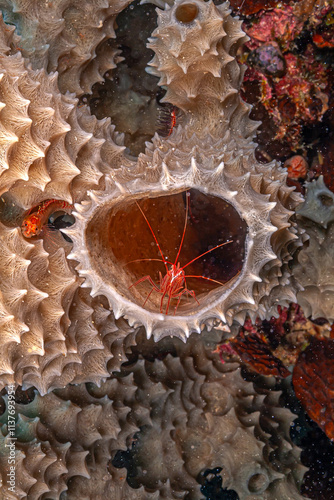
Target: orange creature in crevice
(34, 221)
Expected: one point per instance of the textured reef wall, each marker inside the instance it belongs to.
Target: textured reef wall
(187, 410)
(56, 151)
(314, 270)
(191, 236)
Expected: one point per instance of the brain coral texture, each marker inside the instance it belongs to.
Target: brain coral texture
(72, 307)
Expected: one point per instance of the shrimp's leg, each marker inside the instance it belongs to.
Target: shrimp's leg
(169, 298)
(172, 296)
(147, 297)
(163, 289)
(148, 278)
(161, 302)
(154, 286)
(191, 292)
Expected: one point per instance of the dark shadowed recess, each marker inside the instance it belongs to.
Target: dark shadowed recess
(211, 221)
(128, 94)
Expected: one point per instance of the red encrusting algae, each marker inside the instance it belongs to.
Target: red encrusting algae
(313, 381)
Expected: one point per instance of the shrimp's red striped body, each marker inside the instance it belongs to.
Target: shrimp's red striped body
(33, 223)
(173, 285)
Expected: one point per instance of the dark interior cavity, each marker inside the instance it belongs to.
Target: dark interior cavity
(326, 200)
(257, 483)
(125, 250)
(129, 95)
(186, 12)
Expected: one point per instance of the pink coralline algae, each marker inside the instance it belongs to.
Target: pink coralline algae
(293, 87)
(297, 167)
(279, 25)
(302, 84)
(295, 99)
(269, 59)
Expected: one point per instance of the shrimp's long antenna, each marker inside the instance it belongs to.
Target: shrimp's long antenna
(241, 6)
(210, 279)
(143, 260)
(184, 229)
(204, 278)
(155, 239)
(208, 251)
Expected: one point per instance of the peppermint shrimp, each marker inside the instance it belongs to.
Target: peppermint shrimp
(173, 284)
(33, 223)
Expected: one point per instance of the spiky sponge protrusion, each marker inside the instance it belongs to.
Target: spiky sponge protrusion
(195, 45)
